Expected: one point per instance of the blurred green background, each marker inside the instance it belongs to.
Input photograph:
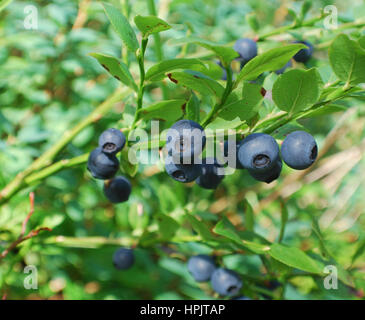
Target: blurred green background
(48, 82)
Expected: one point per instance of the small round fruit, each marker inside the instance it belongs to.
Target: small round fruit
(181, 172)
(101, 165)
(258, 152)
(118, 189)
(185, 140)
(210, 176)
(299, 150)
(123, 258)
(304, 55)
(201, 267)
(112, 141)
(246, 48)
(268, 176)
(226, 282)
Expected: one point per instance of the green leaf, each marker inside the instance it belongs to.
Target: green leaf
(193, 108)
(284, 220)
(121, 26)
(126, 166)
(347, 59)
(362, 42)
(249, 216)
(4, 4)
(245, 108)
(150, 24)
(158, 70)
(164, 110)
(295, 258)
(138, 220)
(296, 90)
(116, 68)
(323, 110)
(201, 228)
(204, 86)
(270, 60)
(167, 226)
(225, 54)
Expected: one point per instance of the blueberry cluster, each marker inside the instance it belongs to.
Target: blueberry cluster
(259, 153)
(123, 258)
(103, 164)
(224, 281)
(247, 50)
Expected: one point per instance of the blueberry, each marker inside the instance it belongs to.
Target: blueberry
(181, 172)
(123, 258)
(101, 165)
(268, 176)
(185, 140)
(201, 267)
(118, 189)
(226, 282)
(299, 150)
(210, 176)
(246, 48)
(112, 141)
(304, 55)
(258, 152)
(281, 70)
(230, 151)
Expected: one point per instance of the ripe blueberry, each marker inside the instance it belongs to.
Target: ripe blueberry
(123, 258)
(258, 152)
(185, 140)
(281, 70)
(118, 189)
(181, 172)
(112, 141)
(268, 176)
(201, 267)
(246, 48)
(101, 165)
(210, 176)
(226, 282)
(304, 55)
(230, 151)
(299, 150)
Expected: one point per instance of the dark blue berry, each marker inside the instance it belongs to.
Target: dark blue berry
(118, 189)
(101, 165)
(299, 150)
(181, 172)
(304, 55)
(226, 282)
(230, 151)
(268, 176)
(246, 48)
(282, 70)
(123, 258)
(185, 140)
(112, 141)
(201, 267)
(211, 174)
(258, 152)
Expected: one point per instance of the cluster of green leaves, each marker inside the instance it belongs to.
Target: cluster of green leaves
(168, 221)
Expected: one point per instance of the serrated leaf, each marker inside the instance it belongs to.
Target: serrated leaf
(150, 24)
(295, 258)
(246, 107)
(159, 69)
(122, 27)
(347, 59)
(116, 68)
(193, 108)
(270, 60)
(296, 90)
(166, 110)
(225, 54)
(194, 82)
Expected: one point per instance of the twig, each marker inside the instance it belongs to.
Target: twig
(81, 15)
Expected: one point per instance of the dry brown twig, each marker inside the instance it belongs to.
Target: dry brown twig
(22, 237)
